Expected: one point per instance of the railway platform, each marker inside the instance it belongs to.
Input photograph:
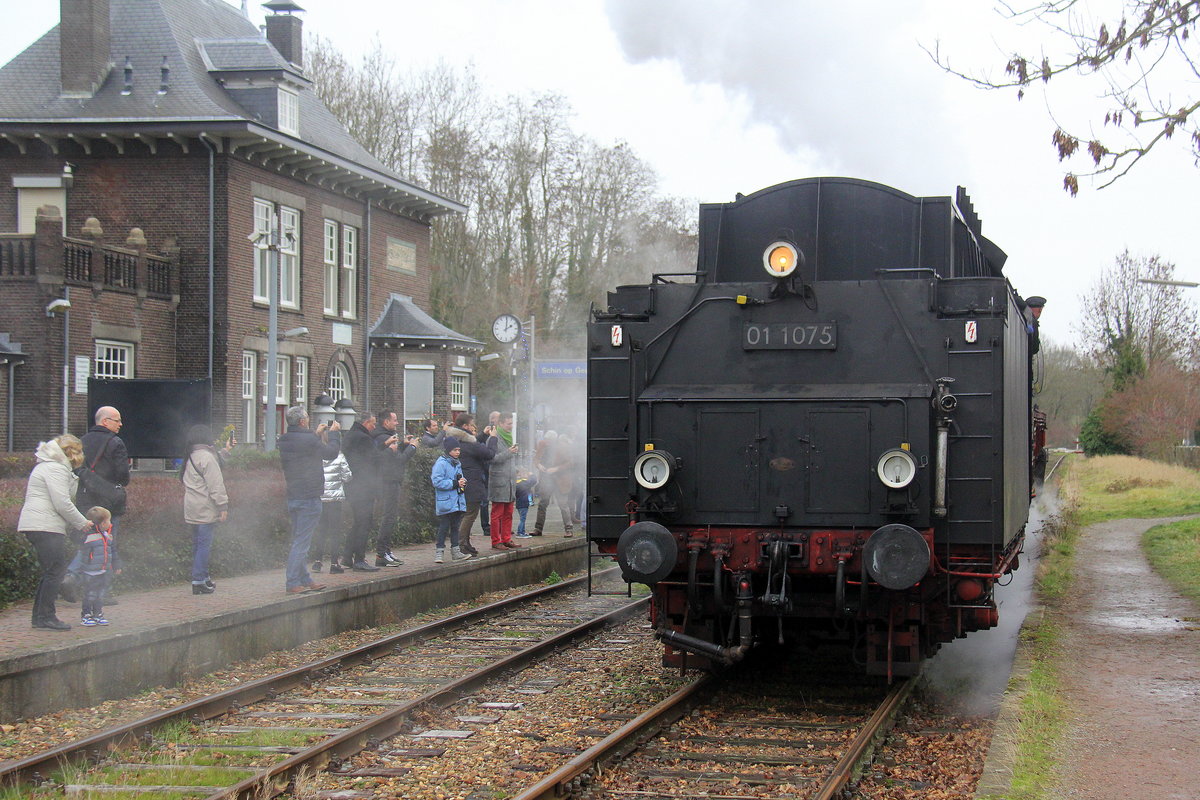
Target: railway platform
(160, 636)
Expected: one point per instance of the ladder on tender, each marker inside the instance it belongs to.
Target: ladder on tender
(610, 417)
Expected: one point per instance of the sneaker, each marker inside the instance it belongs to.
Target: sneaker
(88, 621)
(391, 557)
(336, 569)
(98, 619)
(317, 566)
(522, 536)
(438, 558)
(387, 560)
(363, 566)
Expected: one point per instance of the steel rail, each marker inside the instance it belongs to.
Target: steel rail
(37, 767)
(274, 780)
(863, 743)
(557, 783)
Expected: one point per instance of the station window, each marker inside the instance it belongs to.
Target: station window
(113, 360)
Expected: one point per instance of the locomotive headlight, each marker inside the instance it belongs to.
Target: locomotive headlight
(780, 259)
(653, 469)
(896, 468)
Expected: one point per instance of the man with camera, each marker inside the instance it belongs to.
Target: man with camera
(395, 449)
(302, 453)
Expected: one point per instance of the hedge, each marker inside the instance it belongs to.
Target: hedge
(156, 545)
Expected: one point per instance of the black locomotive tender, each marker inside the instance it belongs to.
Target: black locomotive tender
(825, 431)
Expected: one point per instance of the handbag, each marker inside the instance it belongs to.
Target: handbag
(97, 491)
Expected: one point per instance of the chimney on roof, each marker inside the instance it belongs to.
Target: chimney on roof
(285, 31)
(84, 43)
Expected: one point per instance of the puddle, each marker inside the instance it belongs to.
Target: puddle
(1137, 622)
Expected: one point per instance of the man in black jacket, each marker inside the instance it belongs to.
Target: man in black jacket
(393, 458)
(301, 453)
(106, 450)
(363, 457)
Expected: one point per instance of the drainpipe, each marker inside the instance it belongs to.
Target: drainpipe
(12, 376)
(366, 312)
(211, 276)
(66, 371)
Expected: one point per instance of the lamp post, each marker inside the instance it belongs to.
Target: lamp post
(270, 241)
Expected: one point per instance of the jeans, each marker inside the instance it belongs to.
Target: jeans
(552, 495)
(94, 587)
(329, 535)
(360, 496)
(522, 511)
(202, 539)
(468, 520)
(448, 523)
(388, 517)
(305, 515)
(52, 559)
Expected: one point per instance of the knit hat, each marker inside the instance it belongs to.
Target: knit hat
(450, 443)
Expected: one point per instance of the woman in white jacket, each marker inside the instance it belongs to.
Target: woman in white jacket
(49, 511)
(205, 502)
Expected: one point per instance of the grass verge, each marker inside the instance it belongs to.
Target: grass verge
(1174, 552)
(1092, 490)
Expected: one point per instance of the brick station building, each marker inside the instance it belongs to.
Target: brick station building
(138, 163)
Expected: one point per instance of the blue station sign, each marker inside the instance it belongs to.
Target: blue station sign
(561, 369)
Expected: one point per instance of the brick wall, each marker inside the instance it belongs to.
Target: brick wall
(165, 193)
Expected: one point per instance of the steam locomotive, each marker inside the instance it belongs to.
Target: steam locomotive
(824, 432)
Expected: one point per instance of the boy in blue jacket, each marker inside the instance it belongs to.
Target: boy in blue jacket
(98, 562)
(524, 486)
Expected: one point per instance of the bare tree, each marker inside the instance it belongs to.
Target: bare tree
(1147, 60)
(1156, 412)
(1072, 385)
(554, 218)
(1131, 326)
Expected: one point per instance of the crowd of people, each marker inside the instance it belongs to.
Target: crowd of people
(75, 496)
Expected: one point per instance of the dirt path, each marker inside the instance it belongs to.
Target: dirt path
(1133, 684)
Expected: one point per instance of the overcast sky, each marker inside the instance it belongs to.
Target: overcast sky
(727, 96)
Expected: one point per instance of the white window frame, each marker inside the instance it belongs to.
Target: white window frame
(289, 112)
(264, 213)
(283, 381)
(419, 392)
(301, 367)
(104, 365)
(460, 390)
(339, 382)
(349, 271)
(249, 401)
(331, 267)
(289, 257)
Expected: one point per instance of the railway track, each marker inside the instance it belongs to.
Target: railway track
(256, 739)
(775, 732)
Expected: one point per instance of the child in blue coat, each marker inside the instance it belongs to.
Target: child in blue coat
(450, 502)
(98, 561)
(524, 486)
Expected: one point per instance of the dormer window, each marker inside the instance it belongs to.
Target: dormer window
(289, 112)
